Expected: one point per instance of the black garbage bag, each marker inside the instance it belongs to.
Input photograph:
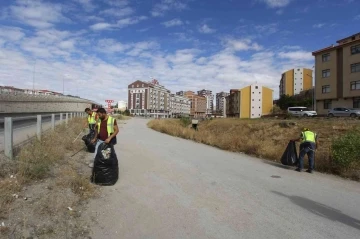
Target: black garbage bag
(87, 140)
(290, 156)
(106, 169)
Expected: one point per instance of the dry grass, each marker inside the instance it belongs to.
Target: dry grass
(264, 138)
(35, 160)
(54, 180)
(122, 117)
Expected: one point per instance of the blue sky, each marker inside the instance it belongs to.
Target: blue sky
(98, 47)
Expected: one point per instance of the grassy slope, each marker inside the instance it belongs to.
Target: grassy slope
(265, 138)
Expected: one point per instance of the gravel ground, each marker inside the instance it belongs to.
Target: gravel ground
(174, 188)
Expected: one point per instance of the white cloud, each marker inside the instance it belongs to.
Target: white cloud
(242, 45)
(110, 46)
(117, 3)
(204, 28)
(296, 55)
(119, 24)
(37, 13)
(276, 3)
(172, 23)
(357, 17)
(130, 21)
(67, 44)
(11, 33)
(319, 25)
(101, 26)
(164, 6)
(270, 28)
(118, 12)
(88, 5)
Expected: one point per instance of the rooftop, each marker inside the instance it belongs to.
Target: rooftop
(340, 43)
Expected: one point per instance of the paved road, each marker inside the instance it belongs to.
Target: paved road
(174, 188)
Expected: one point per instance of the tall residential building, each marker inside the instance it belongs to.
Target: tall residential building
(197, 104)
(337, 75)
(295, 81)
(251, 102)
(221, 103)
(209, 100)
(149, 99)
(179, 106)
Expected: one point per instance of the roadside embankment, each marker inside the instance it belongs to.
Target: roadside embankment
(338, 152)
(44, 189)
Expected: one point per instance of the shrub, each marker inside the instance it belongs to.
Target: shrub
(185, 121)
(346, 150)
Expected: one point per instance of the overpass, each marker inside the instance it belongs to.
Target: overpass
(20, 104)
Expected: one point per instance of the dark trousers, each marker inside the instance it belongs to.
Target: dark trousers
(310, 152)
(92, 127)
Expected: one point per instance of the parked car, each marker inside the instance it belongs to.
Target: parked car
(344, 112)
(300, 111)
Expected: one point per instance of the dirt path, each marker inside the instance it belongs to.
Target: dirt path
(174, 188)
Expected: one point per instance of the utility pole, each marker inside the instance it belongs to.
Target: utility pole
(34, 78)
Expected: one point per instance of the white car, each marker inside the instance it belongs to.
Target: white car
(300, 111)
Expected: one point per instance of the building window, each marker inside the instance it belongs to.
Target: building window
(355, 67)
(326, 89)
(256, 87)
(326, 73)
(355, 85)
(327, 104)
(326, 57)
(356, 103)
(355, 49)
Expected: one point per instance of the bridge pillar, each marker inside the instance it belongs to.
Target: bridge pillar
(53, 121)
(67, 118)
(8, 137)
(61, 117)
(38, 127)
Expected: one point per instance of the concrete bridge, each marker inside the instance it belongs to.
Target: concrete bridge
(15, 104)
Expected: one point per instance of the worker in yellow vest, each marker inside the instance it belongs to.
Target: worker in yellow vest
(106, 130)
(91, 119)
(308, 144)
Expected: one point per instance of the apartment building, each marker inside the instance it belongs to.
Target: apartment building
(294, 81)
(337, 75)
(221, 103)
(251, 102)
(197, 104)
(149, 99)
(209, 100)
(233, 104)
(179, 106)
(181, 93)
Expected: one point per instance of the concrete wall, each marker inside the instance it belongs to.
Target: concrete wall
(44, 104)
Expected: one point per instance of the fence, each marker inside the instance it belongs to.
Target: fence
(9, 127)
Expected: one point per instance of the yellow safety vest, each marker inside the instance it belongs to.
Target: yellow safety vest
(110, 125)
(91, 118)
(309, 137)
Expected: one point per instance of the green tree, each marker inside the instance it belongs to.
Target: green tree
(126, 112)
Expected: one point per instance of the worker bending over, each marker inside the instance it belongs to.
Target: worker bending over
(106, 130)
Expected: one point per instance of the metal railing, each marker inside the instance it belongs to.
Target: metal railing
(9, 127)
